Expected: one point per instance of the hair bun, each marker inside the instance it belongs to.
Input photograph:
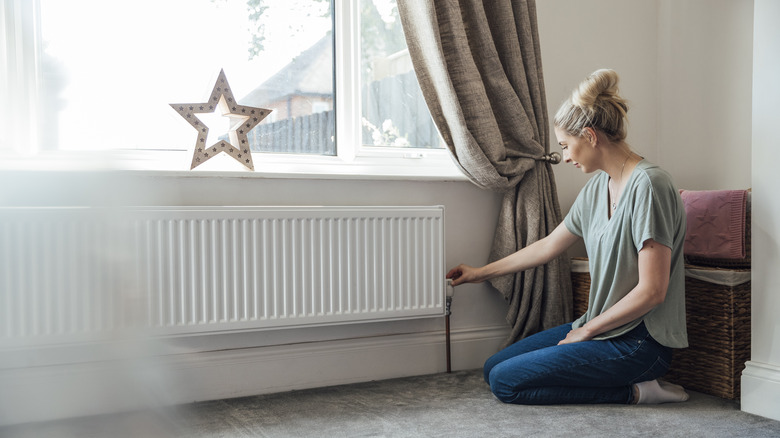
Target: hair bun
(600, 83)
(595, 103)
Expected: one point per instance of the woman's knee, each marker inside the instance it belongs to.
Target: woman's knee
(503, 394)
(502, 390)
(491, 363)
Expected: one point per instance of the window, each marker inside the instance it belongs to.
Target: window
(104, 81)
(107, 82)
(392, 103)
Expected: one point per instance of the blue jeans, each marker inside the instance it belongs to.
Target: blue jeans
(535, 370)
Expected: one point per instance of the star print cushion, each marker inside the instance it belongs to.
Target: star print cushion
(716, 227)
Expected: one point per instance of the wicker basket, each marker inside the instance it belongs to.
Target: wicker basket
(718, 319)
(580, 285)
(719, 338)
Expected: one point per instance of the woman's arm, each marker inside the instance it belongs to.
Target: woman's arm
(533, 255)
(654, 266)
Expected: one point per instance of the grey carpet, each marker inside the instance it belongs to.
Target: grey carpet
(441, 405)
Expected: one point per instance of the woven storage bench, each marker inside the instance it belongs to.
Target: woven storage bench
(718, 315)
(580, 285)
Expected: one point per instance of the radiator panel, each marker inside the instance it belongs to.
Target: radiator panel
(77, 273)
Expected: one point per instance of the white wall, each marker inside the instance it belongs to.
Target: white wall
(761, 378)
(704, 70)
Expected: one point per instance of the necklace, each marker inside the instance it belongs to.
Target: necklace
(611, 193)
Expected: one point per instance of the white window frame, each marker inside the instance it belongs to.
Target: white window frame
(19, 76)
(353, 160)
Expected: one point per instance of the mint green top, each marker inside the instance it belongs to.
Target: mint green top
(650, 207)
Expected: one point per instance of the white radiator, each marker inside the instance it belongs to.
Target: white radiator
(76, 273)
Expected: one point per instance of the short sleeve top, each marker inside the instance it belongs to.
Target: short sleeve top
(650, 207)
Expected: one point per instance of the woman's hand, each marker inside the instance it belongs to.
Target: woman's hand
(464, 274)
(577, 335)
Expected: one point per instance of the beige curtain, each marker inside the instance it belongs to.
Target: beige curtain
(479, 67)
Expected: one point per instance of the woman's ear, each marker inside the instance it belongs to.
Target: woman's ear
(590, 135)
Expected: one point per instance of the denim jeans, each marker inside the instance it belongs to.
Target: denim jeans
(537, 371)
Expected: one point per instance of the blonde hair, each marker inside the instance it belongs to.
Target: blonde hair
(595, 103)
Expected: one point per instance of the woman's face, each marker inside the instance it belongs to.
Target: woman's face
(576, 150)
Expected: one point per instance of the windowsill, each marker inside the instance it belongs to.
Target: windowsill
(436, 165)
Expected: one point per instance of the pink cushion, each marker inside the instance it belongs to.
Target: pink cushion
(716, 223)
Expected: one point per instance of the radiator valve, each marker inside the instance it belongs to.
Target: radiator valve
(450, 292)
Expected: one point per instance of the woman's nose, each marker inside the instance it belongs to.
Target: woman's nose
(566, 156)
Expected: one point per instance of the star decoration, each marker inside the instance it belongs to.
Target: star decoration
(242, 120)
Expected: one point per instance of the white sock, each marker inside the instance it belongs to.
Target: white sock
(654, 392)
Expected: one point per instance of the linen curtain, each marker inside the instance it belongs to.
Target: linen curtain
(479, 66)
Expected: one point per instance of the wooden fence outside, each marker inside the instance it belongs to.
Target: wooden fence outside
(312, 134)
(397, 99)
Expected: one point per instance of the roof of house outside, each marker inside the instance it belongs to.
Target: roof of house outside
(310, 73)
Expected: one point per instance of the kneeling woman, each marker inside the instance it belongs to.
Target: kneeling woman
(632, 221)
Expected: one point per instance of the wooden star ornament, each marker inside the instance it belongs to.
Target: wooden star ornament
(242, 120)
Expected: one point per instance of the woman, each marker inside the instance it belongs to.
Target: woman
(632, 221)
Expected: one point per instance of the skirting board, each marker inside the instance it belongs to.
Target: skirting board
(75, 390)
(760, 389)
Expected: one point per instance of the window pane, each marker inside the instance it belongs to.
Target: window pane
(394, 111)
(110, 75)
